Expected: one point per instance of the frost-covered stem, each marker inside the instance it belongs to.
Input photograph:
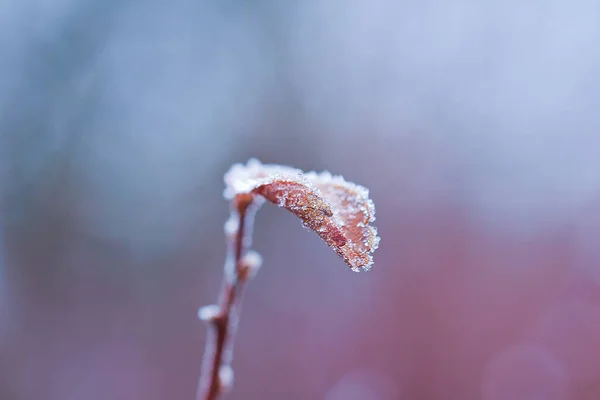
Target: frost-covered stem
(240, 265)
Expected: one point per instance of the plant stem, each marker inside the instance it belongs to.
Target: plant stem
(240, 264)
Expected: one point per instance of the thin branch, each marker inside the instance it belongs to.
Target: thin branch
(340, 212)
(240, 266)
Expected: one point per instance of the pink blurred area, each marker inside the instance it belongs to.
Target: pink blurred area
(447, 299)
(478, 142)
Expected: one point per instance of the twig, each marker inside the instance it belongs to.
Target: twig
(240, 265)
(340, 212)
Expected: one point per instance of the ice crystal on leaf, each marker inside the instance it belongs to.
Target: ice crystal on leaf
(340, 212)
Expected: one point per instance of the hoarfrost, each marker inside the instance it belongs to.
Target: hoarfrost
(208, 313)
(340, 212)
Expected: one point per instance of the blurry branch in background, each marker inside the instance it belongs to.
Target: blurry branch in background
(339, 212)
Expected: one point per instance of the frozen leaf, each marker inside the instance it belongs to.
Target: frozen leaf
(339, 212)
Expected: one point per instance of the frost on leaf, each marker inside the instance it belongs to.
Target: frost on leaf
(339, 212)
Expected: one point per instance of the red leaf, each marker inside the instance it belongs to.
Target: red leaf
(339, 212)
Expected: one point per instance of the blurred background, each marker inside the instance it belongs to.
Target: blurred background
(474, 124)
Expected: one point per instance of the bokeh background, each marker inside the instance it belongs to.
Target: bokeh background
(474, 123)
